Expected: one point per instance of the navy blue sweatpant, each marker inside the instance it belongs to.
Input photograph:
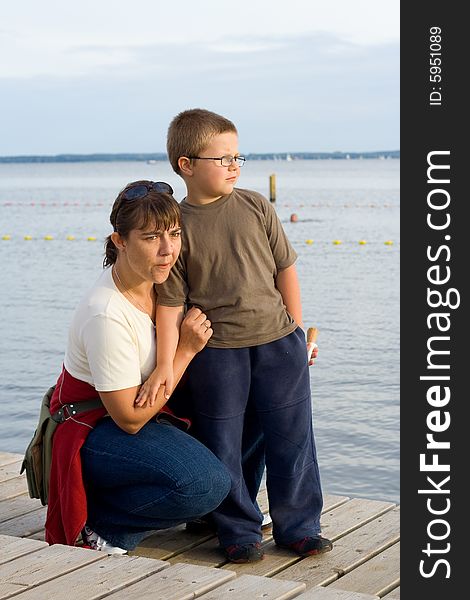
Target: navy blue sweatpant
(273, 380)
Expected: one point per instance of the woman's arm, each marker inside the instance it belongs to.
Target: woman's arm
(120, 404)
(287, 282)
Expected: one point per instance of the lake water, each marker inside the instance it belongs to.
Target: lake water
(350, 291)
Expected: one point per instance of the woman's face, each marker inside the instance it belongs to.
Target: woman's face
(151, 252)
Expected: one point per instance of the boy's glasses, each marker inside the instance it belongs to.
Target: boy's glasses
(140, 190)
(225, 161)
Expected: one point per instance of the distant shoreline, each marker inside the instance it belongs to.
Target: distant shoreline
(160, 156)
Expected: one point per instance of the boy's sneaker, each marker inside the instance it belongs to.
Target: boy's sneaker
(309, 546)
(244, 553)
(94, 541)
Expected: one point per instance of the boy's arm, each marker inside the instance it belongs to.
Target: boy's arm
(287, 282)
(168, 322)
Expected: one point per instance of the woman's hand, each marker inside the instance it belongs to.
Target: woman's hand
(195, 331)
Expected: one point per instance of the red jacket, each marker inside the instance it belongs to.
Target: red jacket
(67, 505)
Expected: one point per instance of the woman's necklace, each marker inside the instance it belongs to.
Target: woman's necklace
(126, 291)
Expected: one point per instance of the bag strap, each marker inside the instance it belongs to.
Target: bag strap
(67, 411)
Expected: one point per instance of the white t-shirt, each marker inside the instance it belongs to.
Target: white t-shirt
(111, 343)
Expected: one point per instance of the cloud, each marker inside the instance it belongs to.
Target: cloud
(233, 58)
(316, 91)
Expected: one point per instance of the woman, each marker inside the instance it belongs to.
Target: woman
(118, 472)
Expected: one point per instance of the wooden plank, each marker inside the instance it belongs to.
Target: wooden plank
(21, 505)
(40, 566)
(253, 587)
(321, 593)
(262, 499)
(39, 535)
(331, 502)
(393, 595)
(25, 525)
(13, 547)
(209, 553)
(275, 560)
(348, 552)
(96, 580)
(348, 522)
(351, 515)
(170, 542)
(7, 458)
(378, 575)
(13, 487)
(179, 582)
(337, 522)
(10, 470)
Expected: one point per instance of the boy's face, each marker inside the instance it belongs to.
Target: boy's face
(210, 180)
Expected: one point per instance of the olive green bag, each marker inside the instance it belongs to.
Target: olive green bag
(38, 454)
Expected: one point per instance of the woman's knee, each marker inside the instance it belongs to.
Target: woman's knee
(220, 480)
(205, 474)
(216, 484)
(206, 481)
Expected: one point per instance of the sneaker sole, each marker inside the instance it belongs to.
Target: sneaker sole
(305, 554)
(315, 552)
(241, 561)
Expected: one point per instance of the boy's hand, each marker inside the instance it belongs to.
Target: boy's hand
(312, 353)
(161, 376)
(312, 348)
(195, 331)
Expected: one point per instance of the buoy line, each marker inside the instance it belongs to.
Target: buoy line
(92, 238)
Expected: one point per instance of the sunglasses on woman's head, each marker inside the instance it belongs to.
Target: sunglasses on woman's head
(140, 190)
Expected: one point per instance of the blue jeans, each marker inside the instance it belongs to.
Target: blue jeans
(158, 478)
(273, 380)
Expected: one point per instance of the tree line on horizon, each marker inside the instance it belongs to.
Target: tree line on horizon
(161, 156)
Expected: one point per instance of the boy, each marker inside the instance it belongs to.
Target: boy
(237, 265)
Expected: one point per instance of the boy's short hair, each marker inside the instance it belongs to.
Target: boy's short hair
(190, 133)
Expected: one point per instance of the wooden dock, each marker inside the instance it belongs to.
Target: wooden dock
(176, 565)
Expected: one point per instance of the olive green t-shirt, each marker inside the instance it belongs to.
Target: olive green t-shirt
(232, 250)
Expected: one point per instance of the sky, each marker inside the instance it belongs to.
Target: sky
(109, 75)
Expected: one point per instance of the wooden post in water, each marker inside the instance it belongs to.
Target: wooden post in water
(272, 187)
